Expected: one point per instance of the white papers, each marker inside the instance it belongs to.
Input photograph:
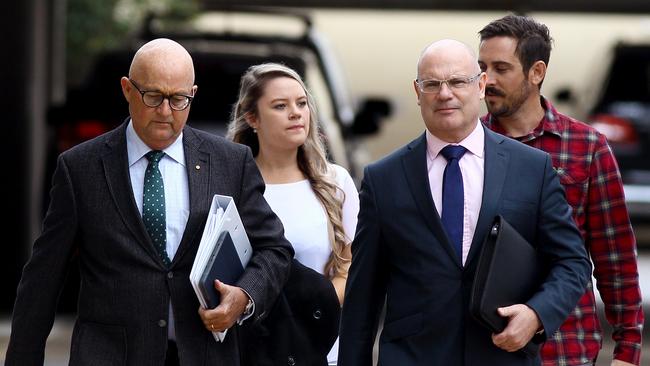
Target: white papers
(223, 216)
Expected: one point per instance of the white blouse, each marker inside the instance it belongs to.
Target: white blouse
(305, 220)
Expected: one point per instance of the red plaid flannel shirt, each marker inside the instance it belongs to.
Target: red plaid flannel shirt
(589, 173)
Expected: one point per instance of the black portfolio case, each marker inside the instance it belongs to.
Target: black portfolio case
(508, 273)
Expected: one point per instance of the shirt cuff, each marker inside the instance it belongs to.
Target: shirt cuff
(250, 309)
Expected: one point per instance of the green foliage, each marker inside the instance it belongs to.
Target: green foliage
(96, 25)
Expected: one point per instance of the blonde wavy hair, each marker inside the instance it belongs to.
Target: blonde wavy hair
(312, 159)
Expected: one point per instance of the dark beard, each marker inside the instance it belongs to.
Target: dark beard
(510, 105)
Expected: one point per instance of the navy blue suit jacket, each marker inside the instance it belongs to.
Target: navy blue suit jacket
(401, 254)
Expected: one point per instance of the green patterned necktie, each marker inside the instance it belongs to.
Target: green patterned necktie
(153, 205)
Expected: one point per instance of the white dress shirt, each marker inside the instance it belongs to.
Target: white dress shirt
(177, 199)
(472, 165)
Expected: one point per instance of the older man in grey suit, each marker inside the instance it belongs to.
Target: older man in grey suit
(131, 205)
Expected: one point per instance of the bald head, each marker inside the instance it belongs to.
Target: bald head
(450, 111)
(160, 68)
(162, 54)
(451, 52)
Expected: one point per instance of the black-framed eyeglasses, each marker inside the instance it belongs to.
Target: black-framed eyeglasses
(153, 99)
(453, 83)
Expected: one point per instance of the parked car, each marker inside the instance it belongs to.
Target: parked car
(621, 111)
(223, 46)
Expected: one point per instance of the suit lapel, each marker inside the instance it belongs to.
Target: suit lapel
(495, 171)
(116, 169)
(198, 167)
(415, 170)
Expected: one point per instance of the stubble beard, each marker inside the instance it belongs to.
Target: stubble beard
(511, 104)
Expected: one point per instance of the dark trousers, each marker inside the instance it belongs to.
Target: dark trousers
(171, 359)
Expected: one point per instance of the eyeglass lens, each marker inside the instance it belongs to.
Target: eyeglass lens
(434, 86)
(154, 99)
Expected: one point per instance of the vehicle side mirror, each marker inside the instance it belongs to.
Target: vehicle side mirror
(565, 95)
(370, 115)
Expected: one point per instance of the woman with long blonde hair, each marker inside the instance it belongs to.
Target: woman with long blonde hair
(316, 200)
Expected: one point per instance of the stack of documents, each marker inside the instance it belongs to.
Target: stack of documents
(224, 252)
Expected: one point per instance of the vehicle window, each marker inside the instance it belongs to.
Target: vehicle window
(629, 77)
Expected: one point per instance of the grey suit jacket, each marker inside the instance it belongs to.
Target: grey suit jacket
(401, 253)
(125, 288)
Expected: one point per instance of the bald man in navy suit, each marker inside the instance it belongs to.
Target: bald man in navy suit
(422, 262)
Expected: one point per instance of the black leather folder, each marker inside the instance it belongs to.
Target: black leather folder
(224, 264)
(509, 272)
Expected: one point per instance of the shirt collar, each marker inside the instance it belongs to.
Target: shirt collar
(137, 149)
(550, 122)
(474, 142)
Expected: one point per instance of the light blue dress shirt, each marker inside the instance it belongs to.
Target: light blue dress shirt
(177, 201)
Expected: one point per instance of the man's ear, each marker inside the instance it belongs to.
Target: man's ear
(417, 90)
(537, 72)
(482, 82)
(126, 87)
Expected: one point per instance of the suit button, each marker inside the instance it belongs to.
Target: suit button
(170, 275)
(317, 314)
(291, 361)
(162, 323)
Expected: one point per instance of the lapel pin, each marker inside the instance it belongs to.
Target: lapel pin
(197, 167)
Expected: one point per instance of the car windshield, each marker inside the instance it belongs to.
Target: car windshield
(629, 77)
(217, 75)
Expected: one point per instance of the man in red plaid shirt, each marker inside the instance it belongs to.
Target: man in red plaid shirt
(514, 52)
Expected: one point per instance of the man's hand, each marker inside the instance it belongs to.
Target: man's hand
(621, 363)
(522, 325)
(231, 307)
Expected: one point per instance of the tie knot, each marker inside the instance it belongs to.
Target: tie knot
(453, 152)
(154, 156)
